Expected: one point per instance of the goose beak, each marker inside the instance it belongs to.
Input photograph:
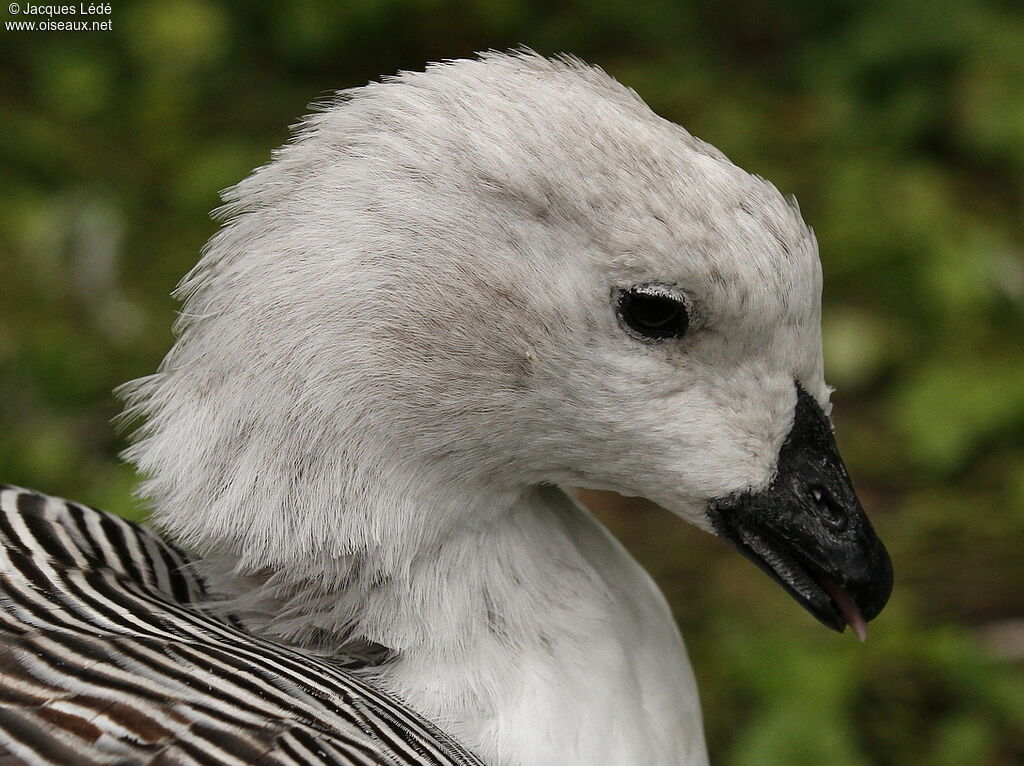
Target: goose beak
(807, 529)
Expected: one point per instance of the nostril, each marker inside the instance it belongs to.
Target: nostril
(830, 511)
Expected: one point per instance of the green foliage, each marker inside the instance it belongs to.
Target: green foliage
(898, 125)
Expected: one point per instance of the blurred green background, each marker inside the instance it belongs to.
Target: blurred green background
(898, 125)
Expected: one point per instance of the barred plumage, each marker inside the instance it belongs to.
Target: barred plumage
(108, 657)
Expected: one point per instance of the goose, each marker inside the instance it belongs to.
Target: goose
(452, 295)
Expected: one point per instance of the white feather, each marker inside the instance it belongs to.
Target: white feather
(405, 335)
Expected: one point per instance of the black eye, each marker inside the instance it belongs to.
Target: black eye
(653, 312)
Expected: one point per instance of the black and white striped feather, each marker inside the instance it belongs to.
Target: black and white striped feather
(107, 657)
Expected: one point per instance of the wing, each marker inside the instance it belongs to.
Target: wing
(107, 657)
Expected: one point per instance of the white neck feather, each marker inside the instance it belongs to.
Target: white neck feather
(533, 637)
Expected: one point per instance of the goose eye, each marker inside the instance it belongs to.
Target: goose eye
(653, 313)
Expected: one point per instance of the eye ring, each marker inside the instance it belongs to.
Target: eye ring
(653, 312)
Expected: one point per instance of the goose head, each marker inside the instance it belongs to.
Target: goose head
(457, 285)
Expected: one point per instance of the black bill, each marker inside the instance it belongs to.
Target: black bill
(807, 529)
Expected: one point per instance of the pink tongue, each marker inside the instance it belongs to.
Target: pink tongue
(848, 610)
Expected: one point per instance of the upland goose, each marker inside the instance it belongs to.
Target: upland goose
(450, 295)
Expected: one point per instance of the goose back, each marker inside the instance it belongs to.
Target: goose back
(109, 656)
